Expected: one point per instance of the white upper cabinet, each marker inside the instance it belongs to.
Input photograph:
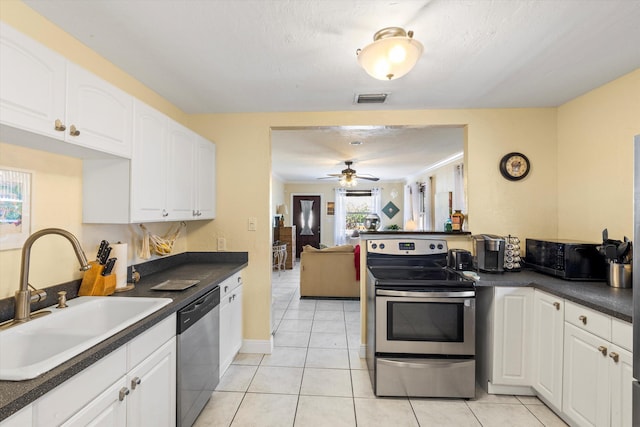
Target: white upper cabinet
(148, 180)
(205, 180)
(42, 93)
(180, 170)
(98, 115)
(32, 84)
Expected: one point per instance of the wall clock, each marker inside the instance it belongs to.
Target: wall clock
(514, 166)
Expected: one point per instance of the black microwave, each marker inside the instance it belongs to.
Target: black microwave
(566, 259)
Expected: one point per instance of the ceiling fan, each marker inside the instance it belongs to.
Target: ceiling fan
(348, 176)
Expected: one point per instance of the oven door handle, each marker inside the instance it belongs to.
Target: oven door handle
(421, 364)
(390, 293)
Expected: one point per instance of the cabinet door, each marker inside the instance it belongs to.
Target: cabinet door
(152, 401)
(205, 180)
(512, 346)
(226, 344)
(148, 165)
(32, 84)
(230, 325)
(101, 113)
(180, 172)
(548, 342)
(236, 320)
(586, 385)
(621, 374)
(109, 409)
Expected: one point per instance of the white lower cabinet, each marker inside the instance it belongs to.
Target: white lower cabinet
(548, 346)
(597, 376)
(230, 320)
(586, 378)
(133, 386)
(504, 339)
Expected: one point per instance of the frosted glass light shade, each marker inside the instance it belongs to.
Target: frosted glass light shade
(392, 54)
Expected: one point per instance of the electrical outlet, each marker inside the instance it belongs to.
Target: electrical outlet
(253, 223)
(222, 244)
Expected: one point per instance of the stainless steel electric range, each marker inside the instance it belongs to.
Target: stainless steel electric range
(420, 321)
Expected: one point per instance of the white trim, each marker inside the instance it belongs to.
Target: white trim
(451, 159)
(523, 390)
(257, 346)
(362, 352)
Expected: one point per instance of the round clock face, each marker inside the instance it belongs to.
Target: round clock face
(514, 166)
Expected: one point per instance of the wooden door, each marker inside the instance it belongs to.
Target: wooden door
(306, 235)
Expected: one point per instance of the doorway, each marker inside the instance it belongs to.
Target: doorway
(306, 218)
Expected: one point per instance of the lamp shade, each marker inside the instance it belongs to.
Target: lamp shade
(282, 210)
(392, 54)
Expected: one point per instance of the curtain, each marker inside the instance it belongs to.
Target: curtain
(376, 198)
(412, 207)
(426, 206)
(459, 200)
(340, 217)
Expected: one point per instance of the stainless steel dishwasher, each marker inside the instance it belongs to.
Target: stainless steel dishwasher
(198, 356)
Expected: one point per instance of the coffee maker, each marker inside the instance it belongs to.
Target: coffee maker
(489, 253)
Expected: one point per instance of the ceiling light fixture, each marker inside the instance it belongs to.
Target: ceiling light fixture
(392, 54)
(348, 181)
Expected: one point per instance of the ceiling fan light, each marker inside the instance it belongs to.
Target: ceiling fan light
(392, 54)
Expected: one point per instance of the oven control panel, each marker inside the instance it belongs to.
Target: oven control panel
(407, 246)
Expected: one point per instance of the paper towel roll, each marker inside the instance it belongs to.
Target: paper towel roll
(119, 250)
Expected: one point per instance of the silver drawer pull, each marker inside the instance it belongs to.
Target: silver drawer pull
(135, 383)
(123, 393)
(615, 356)
(602, 349)
(556, 305)
(583, 319)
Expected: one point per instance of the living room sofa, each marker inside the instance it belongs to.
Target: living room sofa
(329, 273)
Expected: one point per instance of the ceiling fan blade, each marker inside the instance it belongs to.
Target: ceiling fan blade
(372, 178)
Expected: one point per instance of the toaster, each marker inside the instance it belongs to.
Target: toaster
(459, 259)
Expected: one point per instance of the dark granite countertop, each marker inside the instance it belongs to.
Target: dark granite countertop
(615, 302)
(211, 268)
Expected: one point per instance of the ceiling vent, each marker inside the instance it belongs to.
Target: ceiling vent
(371, 98)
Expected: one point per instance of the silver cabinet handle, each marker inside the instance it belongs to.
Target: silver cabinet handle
(615, 356)
(165, 213)
(583, 319)
(123, 393)
(556, 305)
(73, 131)
(226, 288)
(135, 383)
(602, 349)
(59, 126)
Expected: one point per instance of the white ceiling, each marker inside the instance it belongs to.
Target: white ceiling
(212, 56)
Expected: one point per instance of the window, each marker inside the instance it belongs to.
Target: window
(358, 205)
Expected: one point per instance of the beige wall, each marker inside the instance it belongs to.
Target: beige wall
(595, 160)
(533, 207)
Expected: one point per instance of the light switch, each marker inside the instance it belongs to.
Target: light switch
(253, 224)
(222, 244)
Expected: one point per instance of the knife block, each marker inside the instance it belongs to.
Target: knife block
(95, 284)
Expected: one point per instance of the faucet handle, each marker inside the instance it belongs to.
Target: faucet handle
(62, 299)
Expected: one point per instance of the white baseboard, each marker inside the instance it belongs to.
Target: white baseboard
(363, 351)
(257, 346)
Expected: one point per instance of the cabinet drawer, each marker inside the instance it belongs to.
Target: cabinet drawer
(588, 320)
(229, 285)
(62, 402)
(142, 346)
(622, 334)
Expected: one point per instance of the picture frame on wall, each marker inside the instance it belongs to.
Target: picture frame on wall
(331, 208)
(15, 207)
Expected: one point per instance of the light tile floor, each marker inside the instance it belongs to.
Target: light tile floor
(315, 377)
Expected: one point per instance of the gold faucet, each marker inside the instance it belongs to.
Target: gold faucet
(23, 296)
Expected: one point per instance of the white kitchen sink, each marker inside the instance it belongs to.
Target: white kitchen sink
(30, 349)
